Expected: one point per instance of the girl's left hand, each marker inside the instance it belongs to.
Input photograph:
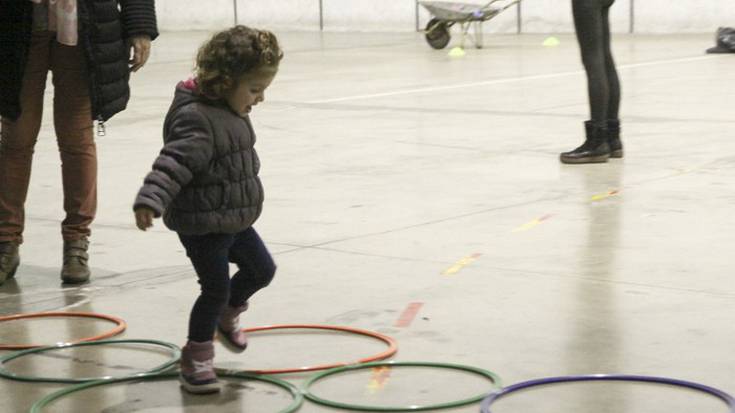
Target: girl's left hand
(144, 218)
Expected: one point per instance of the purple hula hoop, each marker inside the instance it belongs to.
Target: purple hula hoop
(493, 397)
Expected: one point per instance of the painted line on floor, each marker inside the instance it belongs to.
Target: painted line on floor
(600, 197)
(84, 301)
(457, 266)
(532, 224)
(683, 171)
(502, 81)
(379, 378)
(408, 315)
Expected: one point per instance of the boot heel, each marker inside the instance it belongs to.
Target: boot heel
(11, 275)
(230, 340)
(9, 261)
(617, 154)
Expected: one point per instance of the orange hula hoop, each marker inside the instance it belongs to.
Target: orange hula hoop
(392, 346)
(120, 326)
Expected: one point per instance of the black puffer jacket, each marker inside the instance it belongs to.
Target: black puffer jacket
(206, 178)
(104, 26)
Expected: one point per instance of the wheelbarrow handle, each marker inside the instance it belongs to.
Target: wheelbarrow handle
(491, 3)
(511, 4)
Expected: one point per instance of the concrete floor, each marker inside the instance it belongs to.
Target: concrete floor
(397, 175)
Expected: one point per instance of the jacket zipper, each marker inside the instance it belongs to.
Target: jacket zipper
(86, 26)
(101, 130)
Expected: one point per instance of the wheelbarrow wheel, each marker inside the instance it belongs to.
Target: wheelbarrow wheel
(437, 34)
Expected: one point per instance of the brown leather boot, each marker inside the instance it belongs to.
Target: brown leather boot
(9, 260)
(76, 268)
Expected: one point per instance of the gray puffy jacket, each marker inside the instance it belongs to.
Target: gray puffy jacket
(206, 178)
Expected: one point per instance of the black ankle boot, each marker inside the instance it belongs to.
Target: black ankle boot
(595, 148)
(613, 138)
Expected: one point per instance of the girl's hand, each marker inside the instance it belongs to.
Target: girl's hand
(144, 218)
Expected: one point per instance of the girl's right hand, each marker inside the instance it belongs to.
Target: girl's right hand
(144, 218)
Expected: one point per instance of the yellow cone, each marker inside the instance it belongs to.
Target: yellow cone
(457, 52)
(551, 41)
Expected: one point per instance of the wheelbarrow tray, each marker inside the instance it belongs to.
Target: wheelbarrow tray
(451, 11)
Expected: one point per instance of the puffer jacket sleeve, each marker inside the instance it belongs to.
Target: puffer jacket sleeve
(188, 150)
(138, 18)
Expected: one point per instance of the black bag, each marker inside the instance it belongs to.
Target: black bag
(725, 41)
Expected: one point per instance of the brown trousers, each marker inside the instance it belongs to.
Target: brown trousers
(74, 132)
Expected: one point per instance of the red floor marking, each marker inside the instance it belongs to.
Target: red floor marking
(408, 315)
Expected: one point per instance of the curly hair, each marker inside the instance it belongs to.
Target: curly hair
(231, 54)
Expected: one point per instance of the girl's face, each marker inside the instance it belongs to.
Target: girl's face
(249, 91)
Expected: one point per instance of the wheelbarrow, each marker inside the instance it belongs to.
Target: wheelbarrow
(446, 14)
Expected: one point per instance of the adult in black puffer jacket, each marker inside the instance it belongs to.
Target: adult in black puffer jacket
(106, 30)
(86, 45)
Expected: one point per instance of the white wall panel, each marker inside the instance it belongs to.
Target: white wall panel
(194, 14)
(555, 16)
(668, 16)
(280, 14)
(539, 16)
(361, 15)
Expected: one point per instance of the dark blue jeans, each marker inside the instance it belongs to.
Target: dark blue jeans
(211, 254)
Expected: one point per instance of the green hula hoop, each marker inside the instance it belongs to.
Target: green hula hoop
(175, 355)
(298, 398)
(475, 370)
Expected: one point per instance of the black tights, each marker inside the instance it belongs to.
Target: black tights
(592, 23)
(211, 255)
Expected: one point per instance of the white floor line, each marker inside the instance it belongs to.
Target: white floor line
(84, 301)
(502, 81)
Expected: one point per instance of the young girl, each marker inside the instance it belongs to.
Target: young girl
(205, 184)
(592, 24)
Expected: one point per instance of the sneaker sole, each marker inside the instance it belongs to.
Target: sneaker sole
(617, 154)
(591, 159)
(14, 270)
(209, 388)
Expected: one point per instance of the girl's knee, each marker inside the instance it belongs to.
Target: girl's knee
(267, 274)
(271, 273)
(218, 292)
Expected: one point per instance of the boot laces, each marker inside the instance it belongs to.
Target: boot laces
(202, 366)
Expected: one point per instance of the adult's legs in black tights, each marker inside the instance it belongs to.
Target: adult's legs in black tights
(612, 74)
(592, 24)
